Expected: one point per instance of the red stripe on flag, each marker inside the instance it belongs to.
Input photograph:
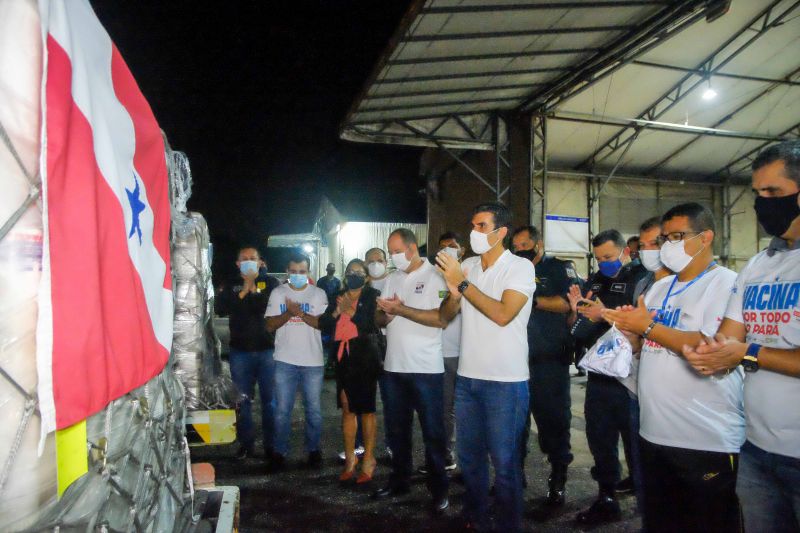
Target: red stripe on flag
(103, 341)
(149, 158)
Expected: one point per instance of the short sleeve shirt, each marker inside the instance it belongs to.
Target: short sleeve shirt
(548, 333)
(412, 347)
(765, 300)
(680, 407)
(490, 351)
(296, 342)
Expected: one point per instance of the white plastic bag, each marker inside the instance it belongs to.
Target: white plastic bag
(611, 355)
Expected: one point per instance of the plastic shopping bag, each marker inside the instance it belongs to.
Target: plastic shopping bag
(611, 355)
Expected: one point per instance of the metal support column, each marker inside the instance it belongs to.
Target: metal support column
(502, 159)
(538, 169)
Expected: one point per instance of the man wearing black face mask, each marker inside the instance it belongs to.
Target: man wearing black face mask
(549, 358)
(761, 333)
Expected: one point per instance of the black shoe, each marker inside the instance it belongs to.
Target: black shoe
(244, 453)
(423, 470)
(439, 506)
(390, 490)
(625, 486)
(555, 499)
(314, 459)
(604, 510)
(276, 463)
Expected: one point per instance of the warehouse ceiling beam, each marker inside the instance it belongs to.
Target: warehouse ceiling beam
(451, 91)
(756, 28)
(470, 75)
(650, 33)
(754, 99)
(420, 105)
(498, 55)
(707, 73)
(439, 37)
(501, 146)
(538, 6)
(638, 124)
(745, 159)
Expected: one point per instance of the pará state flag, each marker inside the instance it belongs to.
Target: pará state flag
(105, 318)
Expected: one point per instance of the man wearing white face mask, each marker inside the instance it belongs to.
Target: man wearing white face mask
(414, 369)
(692, 426)
(293, 314)
(494, 294)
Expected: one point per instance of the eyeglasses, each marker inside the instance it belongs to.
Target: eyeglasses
(675, 236)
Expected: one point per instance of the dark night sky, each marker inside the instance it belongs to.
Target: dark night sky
(254, 92)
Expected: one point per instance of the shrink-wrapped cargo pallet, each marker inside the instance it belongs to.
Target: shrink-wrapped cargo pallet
(134, 452)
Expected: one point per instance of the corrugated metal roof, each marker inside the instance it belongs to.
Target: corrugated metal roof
(454, 64)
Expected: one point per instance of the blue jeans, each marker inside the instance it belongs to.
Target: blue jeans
(422, 393)
(490, 420)
(247, 369)
(768, 486)
(288, 378)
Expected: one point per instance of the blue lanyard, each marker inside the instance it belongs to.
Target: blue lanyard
(675, 280)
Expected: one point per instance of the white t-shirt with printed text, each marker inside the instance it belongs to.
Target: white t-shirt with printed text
(490, 351)
(679, 406)
(765, 300)
(296, 342)
(410, 346)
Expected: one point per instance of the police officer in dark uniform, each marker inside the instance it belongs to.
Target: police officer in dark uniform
(606, 406)
(549, 357)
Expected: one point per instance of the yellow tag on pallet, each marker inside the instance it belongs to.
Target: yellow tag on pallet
(72, 455)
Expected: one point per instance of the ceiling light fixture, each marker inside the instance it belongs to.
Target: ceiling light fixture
(709, 93)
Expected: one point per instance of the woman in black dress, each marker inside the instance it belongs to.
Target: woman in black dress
(358, 365)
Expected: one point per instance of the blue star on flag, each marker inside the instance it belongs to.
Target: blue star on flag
(137, 206)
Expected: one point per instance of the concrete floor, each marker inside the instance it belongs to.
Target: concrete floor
(300, 499)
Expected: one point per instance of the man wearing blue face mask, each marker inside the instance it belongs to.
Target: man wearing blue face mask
(293, 314)
(606, 406)
(251, 348)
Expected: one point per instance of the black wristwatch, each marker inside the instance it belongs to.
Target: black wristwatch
(750, 359)
(463, 286)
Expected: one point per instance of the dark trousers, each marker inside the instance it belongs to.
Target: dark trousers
(423, 393)
(607, 413)
(550, 405)
(635, 455)
(689, 490)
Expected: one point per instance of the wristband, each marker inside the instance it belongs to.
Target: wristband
(750, 360)
(463, 286)
(649, 329)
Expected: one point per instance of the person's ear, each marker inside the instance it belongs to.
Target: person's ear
(707, 236)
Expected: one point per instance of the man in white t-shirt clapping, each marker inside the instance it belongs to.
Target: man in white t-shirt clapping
(293, 314)
(761, 333)
(692, 425)
(494, 294)
(413, 370)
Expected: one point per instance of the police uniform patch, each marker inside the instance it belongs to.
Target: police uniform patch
(618, 287)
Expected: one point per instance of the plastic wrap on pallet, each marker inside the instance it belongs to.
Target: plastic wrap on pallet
(137, 467)
(196, 347)
(27, 481)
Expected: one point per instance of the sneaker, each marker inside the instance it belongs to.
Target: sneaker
(359, 452)
(625, 486)
(604, 510)
(314, 459)
(450, 465)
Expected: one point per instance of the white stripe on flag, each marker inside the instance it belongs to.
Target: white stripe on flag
(75, 27)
